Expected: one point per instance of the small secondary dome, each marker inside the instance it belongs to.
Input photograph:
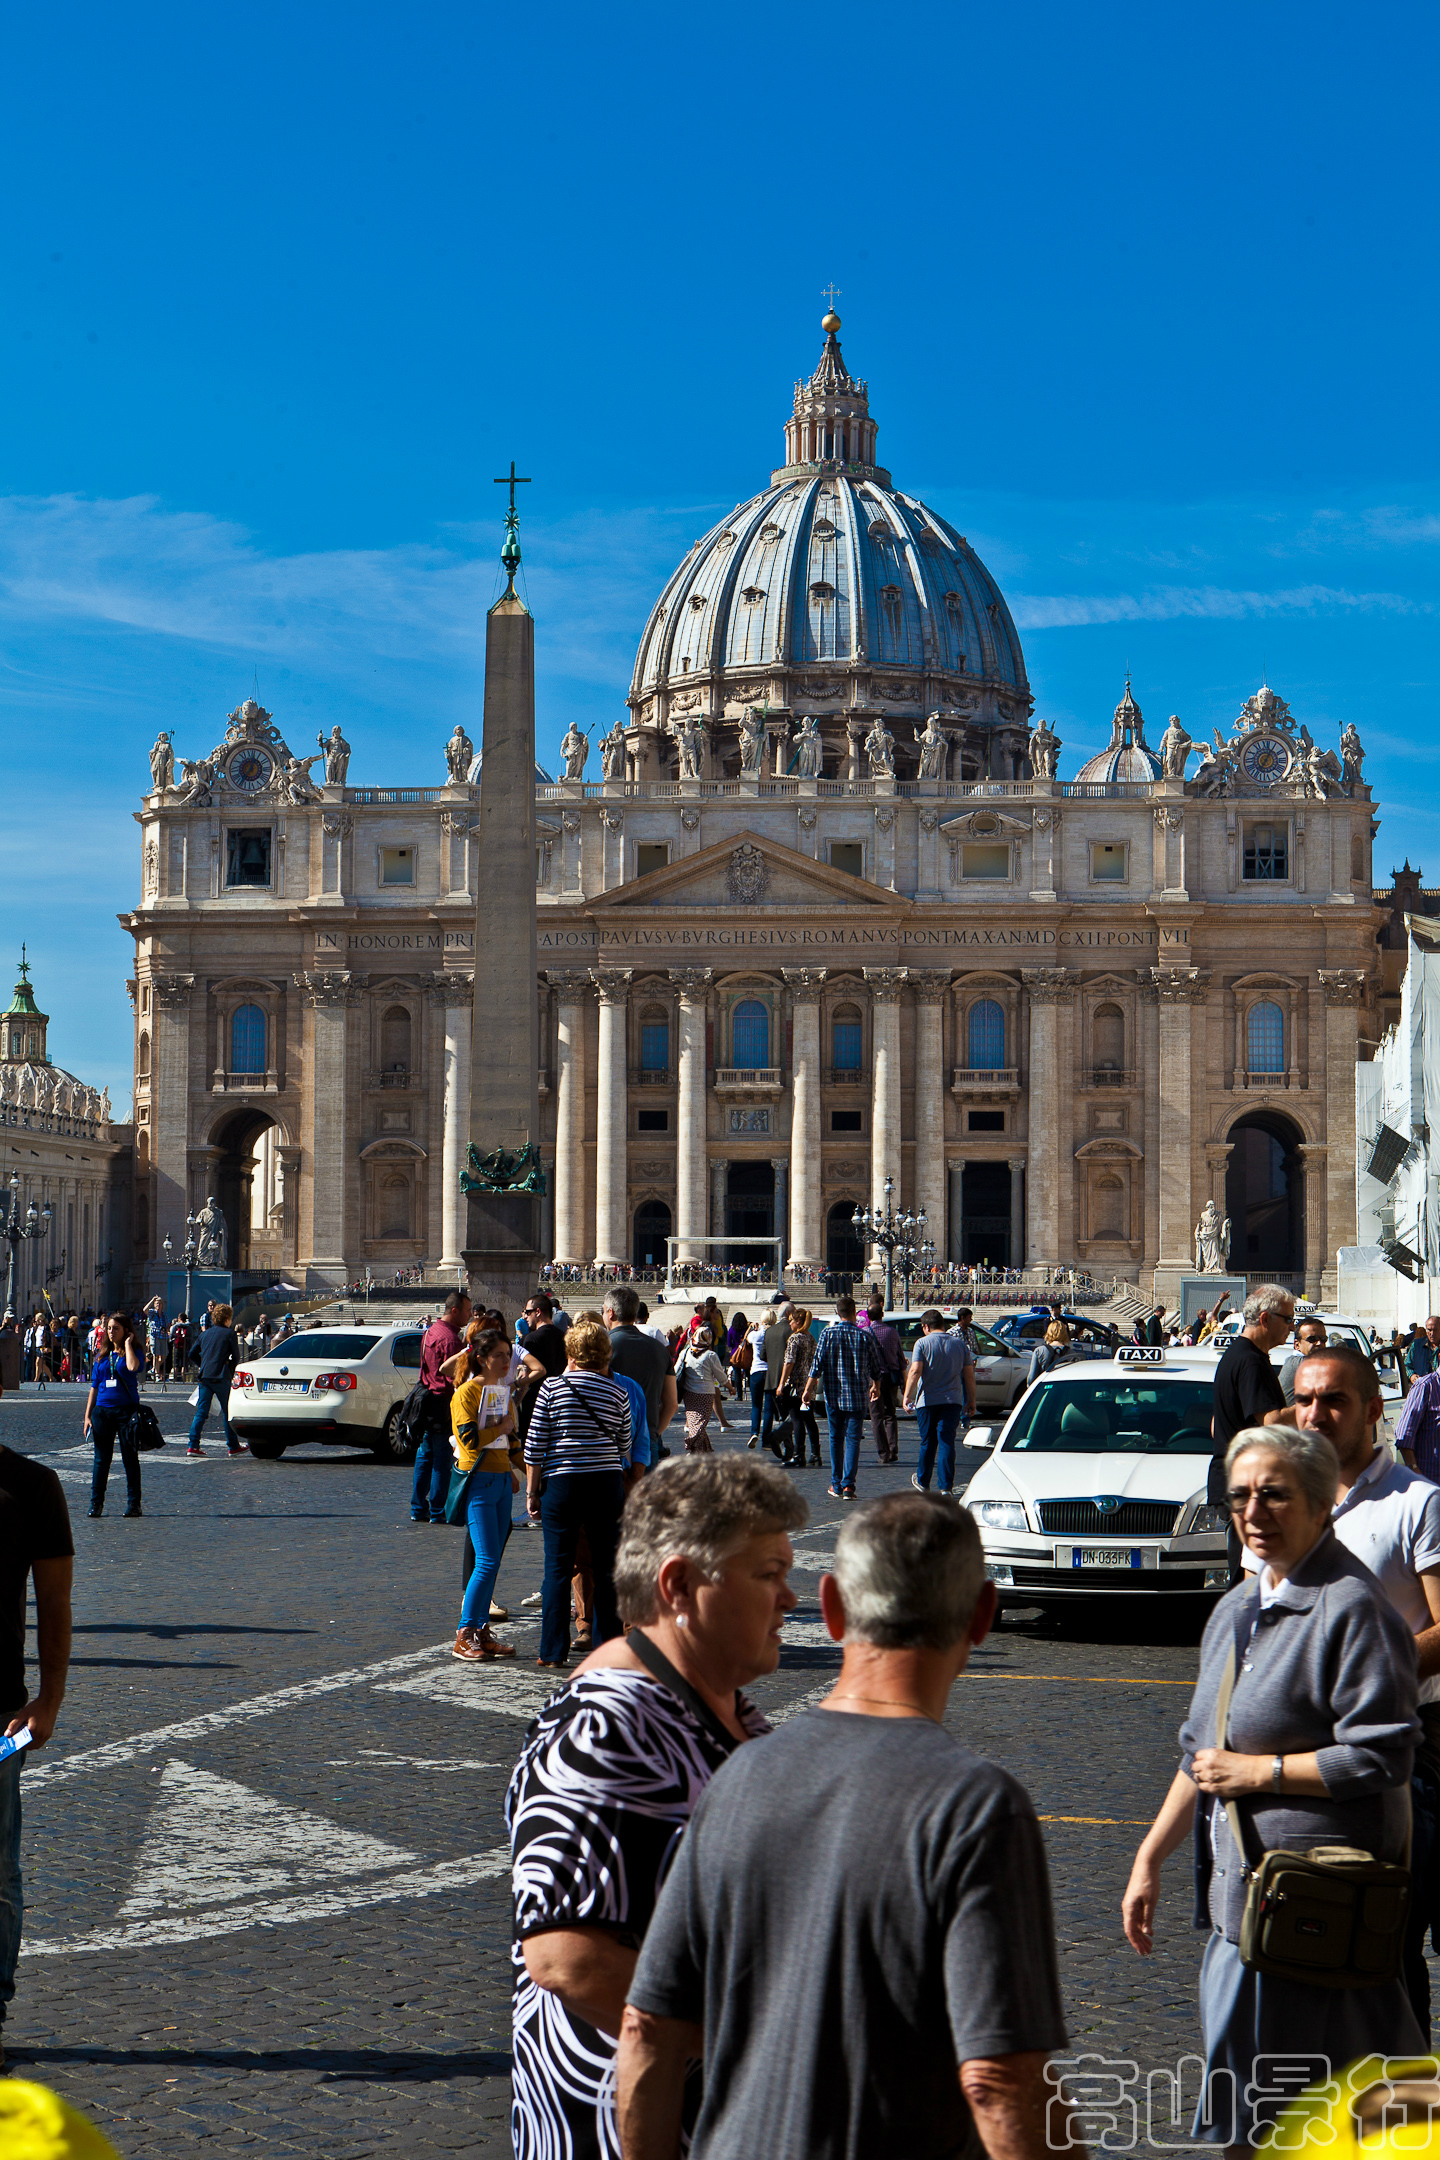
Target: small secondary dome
(1129, 756)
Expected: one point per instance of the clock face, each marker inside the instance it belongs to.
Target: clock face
(250, 769)
(1265, 758)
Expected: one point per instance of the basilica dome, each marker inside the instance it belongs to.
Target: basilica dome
(1127, 756)
(833, 592)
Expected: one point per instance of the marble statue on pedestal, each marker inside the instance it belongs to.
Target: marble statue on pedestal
(1352, 753)
(810, 750)
(1045, 748)
(459, 756)
(612, 752)
(933, 748)
(210, 1235)
(575, 749)
(690, 742)
(752, 743)
(1175, 748)
(162, 763)
(880, 749)
(336, 753)
(298, 786)
(1212, 1241)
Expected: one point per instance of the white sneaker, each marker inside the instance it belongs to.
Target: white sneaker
(535, 1598)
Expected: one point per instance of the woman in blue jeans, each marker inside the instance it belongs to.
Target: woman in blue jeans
(481, 1447)
(576, 1451)
(109, 1413)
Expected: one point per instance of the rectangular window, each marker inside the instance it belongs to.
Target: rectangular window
(985, 1121)
(655, 1046)
(1107, 862)
(846, 1120)
(652, 1121)
(1267, 851)
(847, 1045)
(849, 856)
(397, 866)
(247, 855)
(651, 855)
(985, 859)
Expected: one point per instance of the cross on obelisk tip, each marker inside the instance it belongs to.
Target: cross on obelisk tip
(510, 552)
(512, 480)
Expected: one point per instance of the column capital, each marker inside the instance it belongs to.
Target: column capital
(330, 989)
(1313, 1153)
(692, 983)
(452, 990)
(884, 984)
(613, 984)
(571, 985)
(1050, 986)
(1343, 986)
(931, 985)
(172, 992)
(804, 984)
(1180, 985)
(1016, 1162)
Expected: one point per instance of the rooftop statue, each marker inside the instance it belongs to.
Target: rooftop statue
(1175, 748)
(298, 786)
(809, 749)
(1353, 754)
(459, 755)
(162, 763)
(689, 737)
(612, 752)
(752, 743)
(336, 753)
(1045, 748)
(880, 749)
(933, 748)
(575, 749)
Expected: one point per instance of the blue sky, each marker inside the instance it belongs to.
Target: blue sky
(1146, 300)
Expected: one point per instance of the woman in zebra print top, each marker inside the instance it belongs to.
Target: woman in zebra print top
(612, 1767)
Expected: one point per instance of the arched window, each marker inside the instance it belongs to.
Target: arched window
(655, 1040)
(750, 1035)
(247, 1040)
(395, 1205)
(1266, 1035)
(395, 1040)
(987, 1036)
(142, 1058)
(846, 1040)
(1108, 1028)
(1109, 1210)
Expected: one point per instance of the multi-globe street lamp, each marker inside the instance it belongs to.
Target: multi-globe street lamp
(889, 1231)
(35, 1223)
(187, 1261)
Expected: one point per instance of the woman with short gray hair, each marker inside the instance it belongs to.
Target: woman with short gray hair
(613, 1766)
(1313, 1746)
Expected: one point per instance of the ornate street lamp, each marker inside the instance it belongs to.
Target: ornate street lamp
(187, 1261)
(35, 1224)
(889, 1231)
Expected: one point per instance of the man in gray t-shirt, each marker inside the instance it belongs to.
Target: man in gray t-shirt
(886, 1981)
(939, 1387)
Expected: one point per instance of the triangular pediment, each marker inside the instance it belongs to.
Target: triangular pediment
(746, 870)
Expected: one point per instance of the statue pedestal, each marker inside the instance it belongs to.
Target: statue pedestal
(1193, 1292)
(689, 789)
(809, 789)
(1044, 787)
(613, 790)
(573, 790)
(928, 787)
(332, 793)
(882, 784)
(750, 786)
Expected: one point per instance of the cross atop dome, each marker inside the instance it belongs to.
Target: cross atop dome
(830, 428)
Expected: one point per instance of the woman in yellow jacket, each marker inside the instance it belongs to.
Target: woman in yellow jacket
(482, 1418)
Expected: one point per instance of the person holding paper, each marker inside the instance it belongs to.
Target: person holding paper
(481, 1418)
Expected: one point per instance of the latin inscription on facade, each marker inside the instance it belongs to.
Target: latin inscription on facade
(939, 937)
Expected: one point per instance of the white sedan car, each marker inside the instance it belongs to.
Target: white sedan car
(1096, 1484)
(343, 1384)
(1000, 1369)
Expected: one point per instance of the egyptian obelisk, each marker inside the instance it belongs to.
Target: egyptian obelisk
(502, 1241)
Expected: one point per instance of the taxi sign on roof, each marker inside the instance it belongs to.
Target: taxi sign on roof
(1140, 1354)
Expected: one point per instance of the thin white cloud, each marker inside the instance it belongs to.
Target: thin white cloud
(1170, 603)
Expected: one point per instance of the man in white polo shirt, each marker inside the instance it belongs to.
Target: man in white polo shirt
(1389, 1517)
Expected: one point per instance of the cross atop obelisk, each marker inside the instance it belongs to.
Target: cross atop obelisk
(510, 552)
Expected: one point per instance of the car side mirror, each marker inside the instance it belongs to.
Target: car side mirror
(981, 1436)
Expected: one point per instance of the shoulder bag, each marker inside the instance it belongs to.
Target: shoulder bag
(596, 1420)
(1333, 1917)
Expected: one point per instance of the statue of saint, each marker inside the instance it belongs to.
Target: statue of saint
(612, 752)
(162, 763)
(1352, 753)
(880, 749)
(105, 1105)
(459, 753)
(1212, 1241)
(336, 753)
(752, 743)
(575, 749)
(299, 787)
(933, 748)
(690, 742)
(810, 750)
(1175, 748)
(210, 1235)
(1045, 748)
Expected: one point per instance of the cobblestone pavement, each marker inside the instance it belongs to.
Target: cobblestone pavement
(266, 1877)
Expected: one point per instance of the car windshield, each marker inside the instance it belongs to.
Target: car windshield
(329, 1343)
(1115, 1417)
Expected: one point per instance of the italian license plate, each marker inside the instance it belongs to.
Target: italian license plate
(285, 1387)
(1109, 1556)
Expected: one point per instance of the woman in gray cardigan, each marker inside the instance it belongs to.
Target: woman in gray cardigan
(1321, 1733)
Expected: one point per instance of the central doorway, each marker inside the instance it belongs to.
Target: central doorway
(652, 1227)
(247, 1181)
(1265, 1197)
(985, 1214)
(749, 1208)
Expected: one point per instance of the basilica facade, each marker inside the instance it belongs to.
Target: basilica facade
(817, 911)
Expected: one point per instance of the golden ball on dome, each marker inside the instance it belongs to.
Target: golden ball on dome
(830, 323)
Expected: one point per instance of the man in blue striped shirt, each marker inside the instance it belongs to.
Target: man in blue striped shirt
(849, 1368)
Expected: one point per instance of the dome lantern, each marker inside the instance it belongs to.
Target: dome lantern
(830, 428)
(1127, 756)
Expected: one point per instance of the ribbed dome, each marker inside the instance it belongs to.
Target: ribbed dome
(1129, 756)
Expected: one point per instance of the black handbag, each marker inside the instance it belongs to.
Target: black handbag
(145, 1427)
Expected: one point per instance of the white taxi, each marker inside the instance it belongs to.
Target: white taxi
(1096, 1484)
(345, 1385)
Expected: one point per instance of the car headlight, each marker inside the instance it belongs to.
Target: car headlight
(1210, 1518)
(999, 1514)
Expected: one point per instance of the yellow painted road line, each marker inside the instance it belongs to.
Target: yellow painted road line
(1102, 1822)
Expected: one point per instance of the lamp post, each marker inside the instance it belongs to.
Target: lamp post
(889, 1230)
(913, 1257)
(187, 1261)
(35, 1224)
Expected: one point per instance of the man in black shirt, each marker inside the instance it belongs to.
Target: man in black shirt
(641, 1359)
(544, 1349)
(34, 1539)
(1248, 1390)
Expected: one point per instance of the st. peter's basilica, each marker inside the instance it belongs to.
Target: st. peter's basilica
(817, 910)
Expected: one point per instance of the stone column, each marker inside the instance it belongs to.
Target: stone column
(1318, 1262)
(612, 1111)
(1017, 1210)
(1344, 991)
(955, 1173)
(780, 1166)
(290, 1158)
(1148, 1062)
(1182, 991)
(329, 996)
(932, 988)
(719, 1171)
(170, 1106)
(692, 984)
(571, 991)
(455, 994)
(806, 1242)
(885, 1100)
(1052, 993)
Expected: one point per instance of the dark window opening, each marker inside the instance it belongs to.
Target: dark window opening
(846, 1120)
(248, 857)
(651, 855)
(652, 1121)
(1267, 851)
(985, 1121)
(849, 856)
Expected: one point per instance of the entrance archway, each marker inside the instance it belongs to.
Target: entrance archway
(247, 1183)
(985, 1214)
(652, 1227)
(844, 1248)
(1265, 1197)
(749, 1208)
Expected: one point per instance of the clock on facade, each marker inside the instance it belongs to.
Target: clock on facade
(1265, 758)
(250, 769)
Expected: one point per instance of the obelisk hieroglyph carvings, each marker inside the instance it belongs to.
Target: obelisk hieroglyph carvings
(504, 1181)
